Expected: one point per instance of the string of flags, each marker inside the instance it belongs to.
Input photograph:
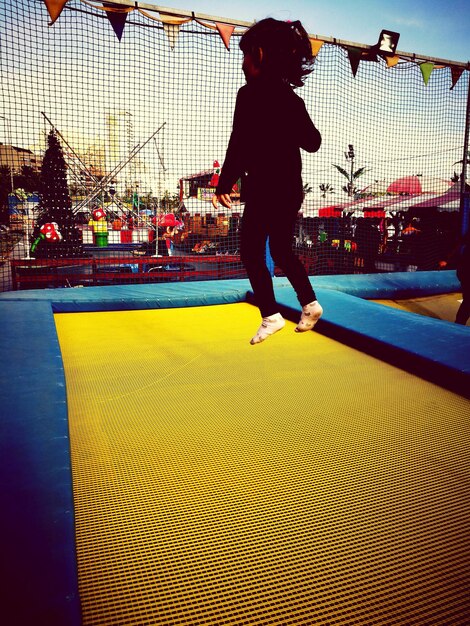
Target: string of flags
(117, 16)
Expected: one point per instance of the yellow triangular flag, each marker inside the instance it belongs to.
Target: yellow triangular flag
(426, 71)
(392, 61)
(54, 8)
(225, 31)
(172, 31)
(316, 44)
(456, 73)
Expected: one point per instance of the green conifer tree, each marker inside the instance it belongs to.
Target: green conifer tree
(55, 205)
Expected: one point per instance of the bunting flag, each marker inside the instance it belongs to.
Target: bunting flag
(225, 31)
(316, 44)
(172, 31)
(456, 73)
(392, 61)
(171, 26)
(54, 8)
(354, 55)
(117, 17)
(166, 18)
(426, 71)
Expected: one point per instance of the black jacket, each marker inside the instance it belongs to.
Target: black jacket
(270, 125)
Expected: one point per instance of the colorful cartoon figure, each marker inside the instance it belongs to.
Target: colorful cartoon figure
(99, 214)
(215, 176)
(170, 225)
(50, 232)
(98, 221)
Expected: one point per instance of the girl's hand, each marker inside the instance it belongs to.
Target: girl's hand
(223, 198)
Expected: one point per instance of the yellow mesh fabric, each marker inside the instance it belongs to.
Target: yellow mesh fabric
(293, 482)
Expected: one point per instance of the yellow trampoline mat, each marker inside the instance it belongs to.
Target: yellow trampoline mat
(293, 482)
(441, 306)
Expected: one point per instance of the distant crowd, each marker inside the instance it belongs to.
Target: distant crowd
(422, 241)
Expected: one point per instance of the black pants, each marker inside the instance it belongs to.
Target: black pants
(276, 222)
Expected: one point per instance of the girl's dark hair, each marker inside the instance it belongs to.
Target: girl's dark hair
(287, 53)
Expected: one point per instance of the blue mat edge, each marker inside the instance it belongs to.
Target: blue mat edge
(40, 504)
(38, 566)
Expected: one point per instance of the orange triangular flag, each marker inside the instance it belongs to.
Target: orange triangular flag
(225, 31)
(54, 8)
(426, 71)
(354, 55)
(392, 61)
(316, 44)
(116, 18)
(456, 73)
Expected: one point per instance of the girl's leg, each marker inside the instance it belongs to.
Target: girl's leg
(280, 242)
(254, 233)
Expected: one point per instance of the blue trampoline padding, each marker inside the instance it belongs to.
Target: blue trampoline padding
(38, 565)
(391, 285)
(197, 293)
(135, 297)
(434, 349)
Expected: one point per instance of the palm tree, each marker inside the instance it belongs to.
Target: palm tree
(351, 176)
(325, 189)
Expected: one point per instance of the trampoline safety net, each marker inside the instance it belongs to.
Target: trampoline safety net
(114, 124)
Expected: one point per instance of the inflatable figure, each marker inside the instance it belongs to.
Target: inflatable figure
(215, 176)
(99, 214)
(170, 225)
(49, 231)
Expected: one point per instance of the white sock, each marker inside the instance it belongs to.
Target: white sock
(269, 326)
(311, 313)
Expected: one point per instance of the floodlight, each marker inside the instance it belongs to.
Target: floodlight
(387, 43)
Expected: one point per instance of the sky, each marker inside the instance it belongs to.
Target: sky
(78, 72)
(436, 28)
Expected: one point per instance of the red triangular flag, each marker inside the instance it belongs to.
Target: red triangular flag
(225, 31)
(116, 18)
(354, 55)
(54, 8)
(456, 73)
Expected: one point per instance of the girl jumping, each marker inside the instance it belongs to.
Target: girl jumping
(270, 125)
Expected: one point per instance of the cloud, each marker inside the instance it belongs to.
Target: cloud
(408, 22)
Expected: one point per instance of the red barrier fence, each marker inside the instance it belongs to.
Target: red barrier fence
(40, 273)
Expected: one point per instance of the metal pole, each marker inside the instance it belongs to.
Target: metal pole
(109, 177)
(351, 188)
(464, 194)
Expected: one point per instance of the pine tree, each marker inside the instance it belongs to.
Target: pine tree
(55, 205)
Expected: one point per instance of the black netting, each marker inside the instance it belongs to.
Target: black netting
(143, 124)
